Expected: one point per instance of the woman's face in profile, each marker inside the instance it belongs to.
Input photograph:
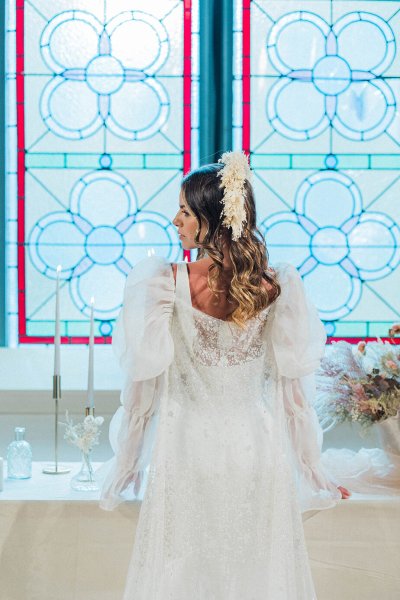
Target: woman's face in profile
(187, 225)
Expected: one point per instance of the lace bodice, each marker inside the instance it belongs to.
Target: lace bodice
(222, 343)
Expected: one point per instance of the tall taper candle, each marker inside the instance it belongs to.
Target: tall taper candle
(90, 391)
(57, 336)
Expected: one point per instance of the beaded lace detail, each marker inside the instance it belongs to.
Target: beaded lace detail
(224, 343)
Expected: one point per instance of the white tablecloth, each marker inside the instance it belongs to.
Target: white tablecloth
(46, 487)
(56, 544)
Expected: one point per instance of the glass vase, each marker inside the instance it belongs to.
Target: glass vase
(84, 480)
(19, 456)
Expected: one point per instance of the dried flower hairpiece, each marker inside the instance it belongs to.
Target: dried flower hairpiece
(233, 177)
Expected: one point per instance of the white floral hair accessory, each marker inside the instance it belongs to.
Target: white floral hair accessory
(233, 177)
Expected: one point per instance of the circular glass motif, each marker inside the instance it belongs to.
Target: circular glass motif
(104, 245)
(104, 74)
(331, 75)
(331, 161)
(105, 328)
(329, 245)
(330, 328)
(105, 161)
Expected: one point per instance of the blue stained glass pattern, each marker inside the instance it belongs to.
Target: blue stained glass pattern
(324, 135)
(344, 246)
(92, 246)
(106, 143)
(115, 73)
(330, 82)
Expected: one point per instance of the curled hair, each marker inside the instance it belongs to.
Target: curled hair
(203, 194)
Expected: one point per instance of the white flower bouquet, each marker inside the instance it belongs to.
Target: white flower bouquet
(85, 434)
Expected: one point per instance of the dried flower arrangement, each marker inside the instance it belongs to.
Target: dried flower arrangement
(360, 384)
(84, 435)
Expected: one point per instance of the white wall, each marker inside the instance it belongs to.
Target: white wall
(30, 367)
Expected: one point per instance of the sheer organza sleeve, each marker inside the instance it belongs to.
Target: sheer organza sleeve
(298, 337)
(142, 340)
(298, 344)
(144, 348)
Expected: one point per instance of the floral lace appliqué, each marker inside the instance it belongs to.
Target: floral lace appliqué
(224, 343)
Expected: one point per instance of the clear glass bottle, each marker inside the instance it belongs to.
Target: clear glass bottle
(19, 456)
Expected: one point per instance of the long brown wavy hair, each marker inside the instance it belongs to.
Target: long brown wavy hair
(203, 194)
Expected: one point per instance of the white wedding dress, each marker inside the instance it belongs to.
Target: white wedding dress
(218, 424)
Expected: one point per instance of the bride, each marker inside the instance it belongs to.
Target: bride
(216, 432)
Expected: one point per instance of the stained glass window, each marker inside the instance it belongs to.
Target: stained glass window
(102, 106)
(316, 94)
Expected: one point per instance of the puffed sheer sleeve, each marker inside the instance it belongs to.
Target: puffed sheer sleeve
(298, 336)
(144, 348)
(298, 344)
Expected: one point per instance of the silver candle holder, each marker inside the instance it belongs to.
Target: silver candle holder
(56, 469)
(89, 410)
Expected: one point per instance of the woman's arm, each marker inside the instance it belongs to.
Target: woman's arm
(131, 440)
(144, 348)
(298, 338)
(306, 437)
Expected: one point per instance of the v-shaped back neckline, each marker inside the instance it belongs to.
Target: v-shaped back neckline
(183, 289)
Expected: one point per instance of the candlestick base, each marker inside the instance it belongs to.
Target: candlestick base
(56, 470)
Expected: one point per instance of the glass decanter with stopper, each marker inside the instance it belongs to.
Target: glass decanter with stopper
(19, 456)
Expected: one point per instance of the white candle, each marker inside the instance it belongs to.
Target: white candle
(1, 474)
(90, 391)
(57, 336)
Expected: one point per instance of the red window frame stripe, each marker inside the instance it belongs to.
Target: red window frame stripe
(21, 167)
